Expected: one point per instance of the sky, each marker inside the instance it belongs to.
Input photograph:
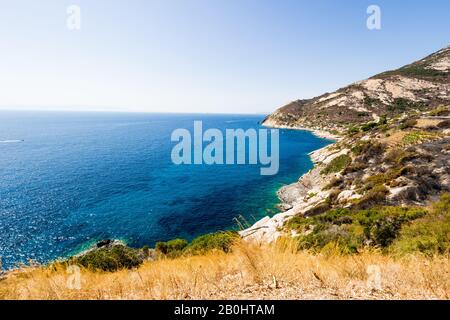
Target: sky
(206, 56)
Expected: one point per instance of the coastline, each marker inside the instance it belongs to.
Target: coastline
(318, 133)
(268, 229)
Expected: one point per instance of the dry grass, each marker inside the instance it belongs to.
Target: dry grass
(425, 123)
(394, 139)
(249, 272)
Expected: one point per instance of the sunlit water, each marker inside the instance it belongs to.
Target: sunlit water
(69, 179)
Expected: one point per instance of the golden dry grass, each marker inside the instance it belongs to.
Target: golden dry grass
(425, 123)
(249, 272)
(394, 139)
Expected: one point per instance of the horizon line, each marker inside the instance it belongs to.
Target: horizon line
(124, 111)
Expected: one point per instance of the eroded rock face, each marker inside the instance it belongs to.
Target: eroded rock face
(400, 156)
(406, 174)
(421, 85)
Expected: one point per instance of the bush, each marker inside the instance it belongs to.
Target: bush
(440, 111)
(353, 129)
(430, 234)
(421, 71)
(214, 241)
(375, 196)
(368, 126)
(318, 209)
(355, 166)
(337, 164)
(384, 178)
(360, 147)
(371, 101)
(339, 237)
(382, 225)
(367, 150)
(110, 258)
(417, 137)
(400, 105)
(172, 247)
(409, 123)
(350, 230)
(398, 156)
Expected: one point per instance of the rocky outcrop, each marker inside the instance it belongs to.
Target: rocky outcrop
(379, 169)
(298, 198)
(422, 85)
(393, 146)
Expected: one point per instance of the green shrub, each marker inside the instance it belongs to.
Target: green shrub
(355, 166)
(110, 258)
(387, 177)
(409, 123)
(146, 250)
(382, 121)
(421, 71)
(350, 230)
(382, 225)
(318, 209)
(337, 164)
(430, 234)
(417, 137)
(340, 237)
(440, 111)
(401, 105)
(375, 196)
(353, 129)
(368, 101)
(172, 247)
(367, 150)
(368, 126)
(360, 147)
(213, 241)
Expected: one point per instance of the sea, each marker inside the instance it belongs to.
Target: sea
(70, 179)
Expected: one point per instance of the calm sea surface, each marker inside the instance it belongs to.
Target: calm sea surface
(70, 179)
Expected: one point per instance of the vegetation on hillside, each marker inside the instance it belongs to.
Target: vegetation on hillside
(249, 271)
(392, 229)
(222, 241)
(110, 258)
(391, 161)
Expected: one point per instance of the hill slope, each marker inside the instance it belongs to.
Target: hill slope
(422, 85)
(393, 148)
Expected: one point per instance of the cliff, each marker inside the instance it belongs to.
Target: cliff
(419, 86)
(393, 148)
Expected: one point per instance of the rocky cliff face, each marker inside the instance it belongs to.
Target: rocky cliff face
(420, 86)
(397, 162)
(393, 150)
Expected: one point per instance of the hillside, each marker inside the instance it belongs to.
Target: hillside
(376, 205)
(393, 148)
(247, 272)
(420, 86)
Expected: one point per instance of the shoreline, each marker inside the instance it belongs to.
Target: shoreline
(284, 209)
(318, 133)
(267, 229)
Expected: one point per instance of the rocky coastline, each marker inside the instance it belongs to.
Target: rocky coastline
(296, 198)
(392, 138)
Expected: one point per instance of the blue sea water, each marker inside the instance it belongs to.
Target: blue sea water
(70, 179)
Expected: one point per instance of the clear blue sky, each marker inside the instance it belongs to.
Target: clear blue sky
(246, 56)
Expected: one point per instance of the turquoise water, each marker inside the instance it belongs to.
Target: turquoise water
(69, 179)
